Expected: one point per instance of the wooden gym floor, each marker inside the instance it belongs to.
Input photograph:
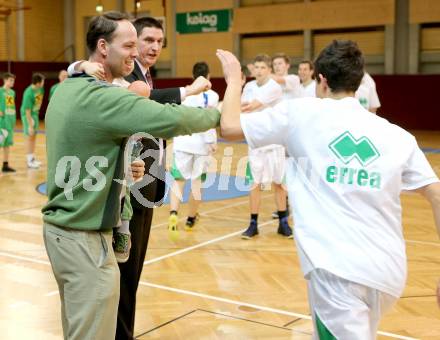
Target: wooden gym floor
(210, 284)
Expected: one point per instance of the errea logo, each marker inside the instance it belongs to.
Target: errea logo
(350, 150)
(347, 148)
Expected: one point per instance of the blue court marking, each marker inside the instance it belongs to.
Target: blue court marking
(216, 187)
(430, 150)
(221, 140)
(39, 132)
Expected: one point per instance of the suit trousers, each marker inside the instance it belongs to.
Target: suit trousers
(131, 270)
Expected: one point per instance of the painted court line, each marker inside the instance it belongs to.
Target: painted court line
(263, 308)
(232, 205)
(426, 243)
(6, 212)
(23, 172)
(23, 258)
(55, 292)
(184, 250)
(217, 217)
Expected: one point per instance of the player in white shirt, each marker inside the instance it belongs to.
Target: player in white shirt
(367, 94)
(290, 83)
(308, 84)
(191, 158)
(349, 169)
(266, 164)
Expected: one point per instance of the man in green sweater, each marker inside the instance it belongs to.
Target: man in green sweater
(87, 124)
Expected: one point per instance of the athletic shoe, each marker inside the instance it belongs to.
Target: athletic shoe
(250, 232)
(173, 233)
(36, 162)
(33, 165)
(121, 246)
(7, 168)
(284, 229)
(189, 225)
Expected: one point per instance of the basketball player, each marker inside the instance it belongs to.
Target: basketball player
(8, 116)
(290, 83)
(30, 110)
(348, 227)
(191, 158)
(308, 84)
(267, 164)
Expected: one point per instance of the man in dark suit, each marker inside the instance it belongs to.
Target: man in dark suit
(150, 40)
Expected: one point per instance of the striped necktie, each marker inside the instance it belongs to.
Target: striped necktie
(149, 79)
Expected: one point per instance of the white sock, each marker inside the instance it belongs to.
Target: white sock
(124, 228)
(30, 157)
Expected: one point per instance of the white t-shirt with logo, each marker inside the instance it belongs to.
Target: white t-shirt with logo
(373, 98)
(197, 143)
(363, 95)
(308, 90)
(345, 183)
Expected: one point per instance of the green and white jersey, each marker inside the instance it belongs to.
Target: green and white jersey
(87, 124)
(32, 100)
(344, 183)
(369, 82)
(7, 101)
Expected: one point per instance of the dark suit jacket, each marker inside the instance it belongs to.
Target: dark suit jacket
(155, 191)
(170, 95)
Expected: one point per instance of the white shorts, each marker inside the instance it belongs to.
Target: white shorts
(267, 164)
(345, 309)
(189, 166)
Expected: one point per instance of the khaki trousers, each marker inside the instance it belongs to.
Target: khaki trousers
(87, 274)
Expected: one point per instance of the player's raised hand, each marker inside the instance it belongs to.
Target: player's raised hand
(231, 66)
(199, 85)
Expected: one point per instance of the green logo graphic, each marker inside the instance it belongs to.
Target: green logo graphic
(346, 148)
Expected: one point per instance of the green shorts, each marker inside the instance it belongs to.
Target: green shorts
(26, 124)
(8, 124)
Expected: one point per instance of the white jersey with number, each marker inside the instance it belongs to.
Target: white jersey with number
(308, 90)
(197, 143)
(345, 183)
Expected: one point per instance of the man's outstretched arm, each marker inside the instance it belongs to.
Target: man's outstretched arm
(230, 126)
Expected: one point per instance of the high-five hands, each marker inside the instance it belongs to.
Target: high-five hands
(231, 66)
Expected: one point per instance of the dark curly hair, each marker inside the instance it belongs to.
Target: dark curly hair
(342, 64)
